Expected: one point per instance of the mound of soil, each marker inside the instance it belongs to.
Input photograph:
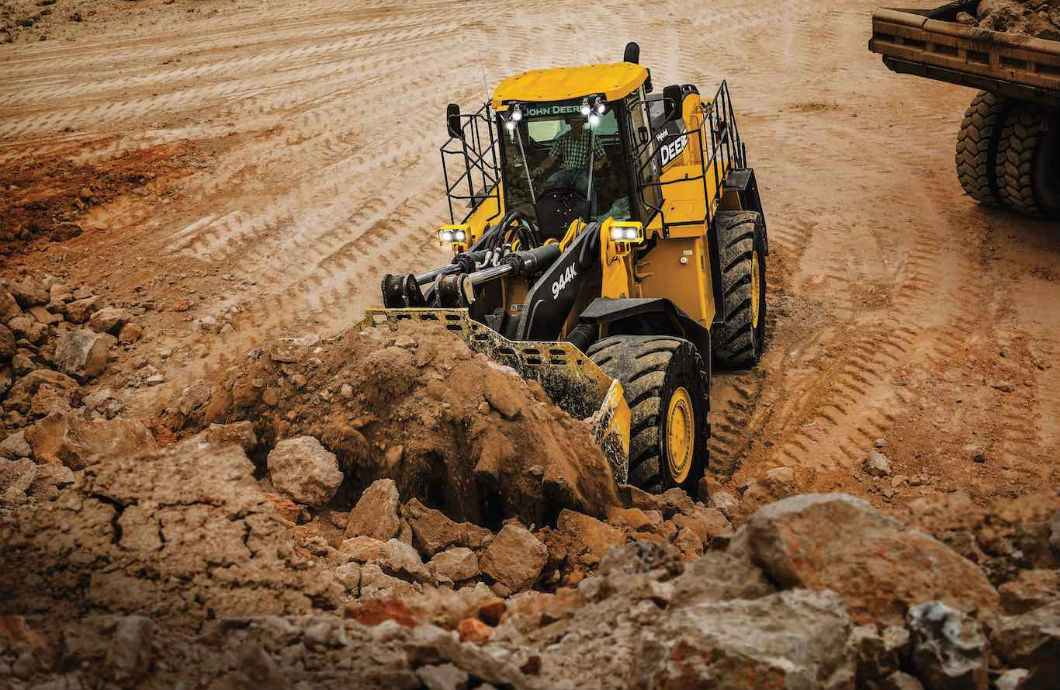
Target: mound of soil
(449, 426)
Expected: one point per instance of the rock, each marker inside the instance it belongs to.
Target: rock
(28, 293)
(16, 476)
(15, 446)
(474, 631)
(779, 481)
(130, 649)
(219, 435)
(7, 343)
(28, 328)
(83, 353)
(741, 643)
(304, 470)
(879, 653)
(433, 531)
(376, 584)
(9, 308)
(877, 464)
(725, 502)
(514, 558)
(443, 677)
(589, 539)
(130, 333)
(901, 681)
(709, 524)
(376, 512)
(1012, 679)
(79, 310)
(717, 576)
(1031, 641)
(349, 575)
(69, 439)
(22, 365)
(401, 560)
(1030, 589)
(109, 320)
(20, 396)
(879, 566)
(949, 650)
(50, 477)
(455, 565)
(362, 548)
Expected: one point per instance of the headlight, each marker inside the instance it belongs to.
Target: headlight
(625, 233)
(594, 120)
(459, 235)
(447, 235)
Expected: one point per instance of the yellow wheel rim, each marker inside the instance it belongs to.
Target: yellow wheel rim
(755, 306)
(680, 435)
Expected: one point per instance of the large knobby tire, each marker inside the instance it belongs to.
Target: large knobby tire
(977, 146)
(737, 342)
(1026, 172)
(667, 387)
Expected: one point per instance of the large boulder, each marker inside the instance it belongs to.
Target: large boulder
(589, 539)
(304, 470)
(376, 512)
(68, 439)
(83, 353)
(879, 566)
(750, 644)
(109, 320)
(949, 650)
(514, 558)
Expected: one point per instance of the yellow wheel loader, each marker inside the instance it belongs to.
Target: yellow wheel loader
(609, 242)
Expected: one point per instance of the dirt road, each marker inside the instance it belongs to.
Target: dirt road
(250, 169)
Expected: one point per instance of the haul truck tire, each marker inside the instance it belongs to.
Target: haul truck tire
(1027, 175)
(977, 147)
(667, 387)
(737, 343)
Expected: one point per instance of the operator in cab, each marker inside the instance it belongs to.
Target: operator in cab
(571, 151)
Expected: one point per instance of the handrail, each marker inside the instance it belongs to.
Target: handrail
(478, 157)
(726, 151)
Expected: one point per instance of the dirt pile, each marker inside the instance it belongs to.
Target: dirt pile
(417, 406)
(1039, 18)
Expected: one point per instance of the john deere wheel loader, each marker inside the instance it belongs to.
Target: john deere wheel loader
(613, 247)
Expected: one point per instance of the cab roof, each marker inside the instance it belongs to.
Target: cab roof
(614, 80)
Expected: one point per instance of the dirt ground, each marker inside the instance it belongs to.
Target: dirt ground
(251, 169)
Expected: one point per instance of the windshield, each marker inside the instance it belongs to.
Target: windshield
(559, 150)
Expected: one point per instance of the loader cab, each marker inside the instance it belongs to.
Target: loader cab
(577, 156)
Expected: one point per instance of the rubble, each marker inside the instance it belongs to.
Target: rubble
(949, 649)
(514, 558)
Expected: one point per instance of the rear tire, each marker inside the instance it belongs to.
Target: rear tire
(977, 147)
(1027, 159)
(737, 343)
(667, 387)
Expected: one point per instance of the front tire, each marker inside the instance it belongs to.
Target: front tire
(667, 387)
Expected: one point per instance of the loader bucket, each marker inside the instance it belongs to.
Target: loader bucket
(568, 376)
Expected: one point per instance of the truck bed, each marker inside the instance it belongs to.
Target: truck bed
(930, 44)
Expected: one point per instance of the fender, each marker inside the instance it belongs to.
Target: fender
(634, 315)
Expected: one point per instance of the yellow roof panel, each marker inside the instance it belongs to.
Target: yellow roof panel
(562, 83)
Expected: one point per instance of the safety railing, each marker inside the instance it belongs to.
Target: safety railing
(474, 160)
(717, 140)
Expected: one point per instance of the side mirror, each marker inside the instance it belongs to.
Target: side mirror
(632, 53)
(673, 100)
(452, 121)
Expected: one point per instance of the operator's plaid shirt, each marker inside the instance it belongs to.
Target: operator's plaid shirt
(572, 153)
